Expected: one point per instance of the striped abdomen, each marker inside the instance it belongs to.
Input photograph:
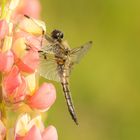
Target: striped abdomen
(68, 98)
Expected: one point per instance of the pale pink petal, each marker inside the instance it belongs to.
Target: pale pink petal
(14, 86)
(50, 133)
(20, 93)
(33, 41)
(29, 62)
(12, 80)
(43, 98)
(21, 34)
(3, 28)
(32, 134)
(6, 61)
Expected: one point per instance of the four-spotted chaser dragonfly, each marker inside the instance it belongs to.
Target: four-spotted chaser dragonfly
(57, 60)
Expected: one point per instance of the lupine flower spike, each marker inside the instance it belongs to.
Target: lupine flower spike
(19, 86)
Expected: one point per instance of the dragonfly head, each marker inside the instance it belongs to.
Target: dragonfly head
(58, 35)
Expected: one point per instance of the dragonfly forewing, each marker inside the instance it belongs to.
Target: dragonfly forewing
(77, 54)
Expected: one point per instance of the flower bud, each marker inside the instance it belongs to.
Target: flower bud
(27, 129)
(3, 29)
(7, 43)
(14, 86)
(6, 61)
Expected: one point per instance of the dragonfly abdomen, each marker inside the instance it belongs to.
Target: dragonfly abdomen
(68, 98)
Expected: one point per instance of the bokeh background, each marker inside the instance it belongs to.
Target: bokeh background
(106, 84)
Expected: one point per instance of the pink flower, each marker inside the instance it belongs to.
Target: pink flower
(14, 86)
(26, 60)
(29, 7)
(3, 28)
(43, 98)
(20, 41)
(6, 61)
(27, 129)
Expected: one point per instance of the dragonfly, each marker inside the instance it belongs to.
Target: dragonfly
(57, 60)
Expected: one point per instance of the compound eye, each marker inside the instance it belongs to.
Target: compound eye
(56, 34)
(61, 35)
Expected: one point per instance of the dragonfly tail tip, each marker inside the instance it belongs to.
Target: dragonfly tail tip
(76, 122)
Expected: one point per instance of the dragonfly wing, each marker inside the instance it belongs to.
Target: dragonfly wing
(48, 69)
(77, 54)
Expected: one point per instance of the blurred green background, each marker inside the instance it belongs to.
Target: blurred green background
(106, 84)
